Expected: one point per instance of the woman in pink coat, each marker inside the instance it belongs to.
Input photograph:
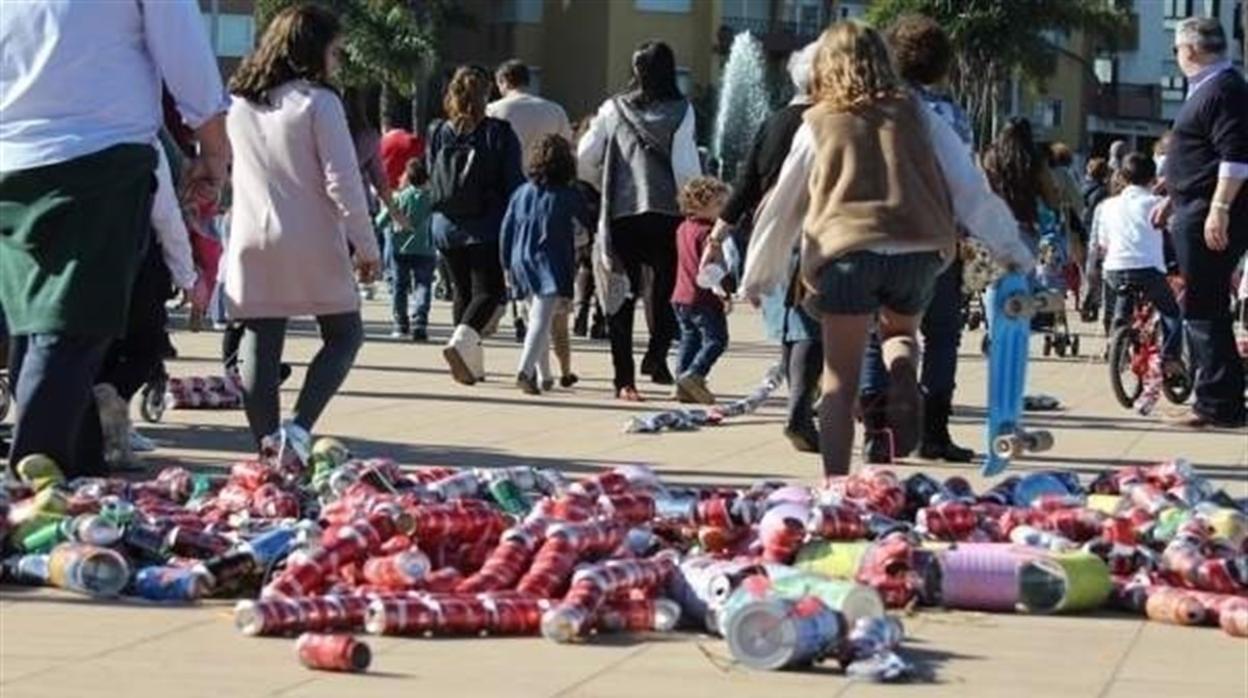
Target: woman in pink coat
(299, 210)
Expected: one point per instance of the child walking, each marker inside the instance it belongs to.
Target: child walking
(412, 255)
(700, 311)
(538, 248)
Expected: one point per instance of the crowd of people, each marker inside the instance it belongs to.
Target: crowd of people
(855, 198)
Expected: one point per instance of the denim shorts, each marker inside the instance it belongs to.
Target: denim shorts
(860, 283)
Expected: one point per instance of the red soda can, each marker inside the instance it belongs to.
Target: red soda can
(460, 615)
(1174, 606)
(632, 508)
(598, 536)
(781, 537)
(402, 570)
(175, 483)
(443, 580)
(332, 652)
(949, 520)
(274, 617)
(619, 617)
(571, 507)
(837, 522)
(300, 578)
(189, 542)
(594, 486)
(514, 615)
(234, 498)
(1078, 525)
(502, 569)
(1119, 530)
(401, 616)
(271, 502)
(251, 474)
(1233, 616)
(715, 511)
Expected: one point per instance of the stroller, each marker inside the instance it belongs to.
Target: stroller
(1053, 274)
(161, 391)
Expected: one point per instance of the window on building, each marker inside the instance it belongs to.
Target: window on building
(1106, 69)
(1173, 88)
(1178, 9)
(521, 11)
(672, 6)
(236, 34)
(1211, 8)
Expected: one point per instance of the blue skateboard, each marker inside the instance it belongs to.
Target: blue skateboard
(1009, 326)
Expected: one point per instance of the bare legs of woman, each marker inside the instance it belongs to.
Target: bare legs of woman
(844, 338)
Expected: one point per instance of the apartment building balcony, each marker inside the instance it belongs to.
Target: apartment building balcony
(1127, 101)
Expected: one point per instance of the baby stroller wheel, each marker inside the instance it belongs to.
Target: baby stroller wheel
(152, 407)
(1048, 345)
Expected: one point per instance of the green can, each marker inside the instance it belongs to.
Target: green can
(41, 533)
(509, 497)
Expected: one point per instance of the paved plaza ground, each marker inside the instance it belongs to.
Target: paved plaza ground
(399, 402)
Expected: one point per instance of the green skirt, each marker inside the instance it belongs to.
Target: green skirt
(72, 236)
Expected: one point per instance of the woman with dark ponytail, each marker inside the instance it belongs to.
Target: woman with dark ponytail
(639, 150)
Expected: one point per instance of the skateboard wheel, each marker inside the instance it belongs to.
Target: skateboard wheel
(1039, 441)
(1007, 446)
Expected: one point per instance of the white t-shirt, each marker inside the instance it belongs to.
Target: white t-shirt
(1122, 229)
(531, 117)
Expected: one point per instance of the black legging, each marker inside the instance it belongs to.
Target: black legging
(803, 365)
(477, 285)
(647, 240)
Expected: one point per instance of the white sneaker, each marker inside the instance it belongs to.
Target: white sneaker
(140, 443)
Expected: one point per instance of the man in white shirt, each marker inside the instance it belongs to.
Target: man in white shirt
(1134, 256)
(530, 116)
(80, 94)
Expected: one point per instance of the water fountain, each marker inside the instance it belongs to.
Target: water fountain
(744, 103)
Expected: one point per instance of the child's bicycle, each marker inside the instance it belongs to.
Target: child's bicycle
(1135, 358)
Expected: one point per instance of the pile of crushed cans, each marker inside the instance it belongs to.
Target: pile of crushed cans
(340, 547)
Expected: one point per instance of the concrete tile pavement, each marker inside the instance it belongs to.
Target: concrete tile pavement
(399, 402)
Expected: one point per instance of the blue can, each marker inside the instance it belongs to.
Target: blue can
(272, 545)
(170, 584)
(147, 539)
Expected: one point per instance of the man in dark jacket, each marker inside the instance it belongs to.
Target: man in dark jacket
(1205, 171)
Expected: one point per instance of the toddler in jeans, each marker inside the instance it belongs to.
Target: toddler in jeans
(411, 254)
(700, 304)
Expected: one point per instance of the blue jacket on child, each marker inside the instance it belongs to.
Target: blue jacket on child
(537, 240)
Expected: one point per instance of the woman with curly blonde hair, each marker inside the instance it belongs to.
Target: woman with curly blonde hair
(474, 166)
(876, 184)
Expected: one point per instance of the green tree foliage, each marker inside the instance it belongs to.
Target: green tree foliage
(996, 39)
(386, 41)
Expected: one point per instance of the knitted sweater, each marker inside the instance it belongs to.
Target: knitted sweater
(875, 185)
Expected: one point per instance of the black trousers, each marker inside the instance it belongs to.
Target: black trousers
(477, 286)
(644, 242)
(1207, 312)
